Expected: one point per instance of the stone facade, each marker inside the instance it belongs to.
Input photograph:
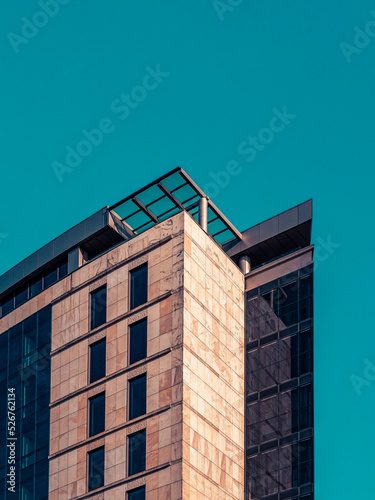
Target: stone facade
(195, 368)
(213, 371)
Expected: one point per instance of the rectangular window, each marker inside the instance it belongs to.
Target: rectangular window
(63, 268)
(50, 277)
(35, 286)
(98, 307)
(29, 340)
(96, 469)
(97, 360)
(21, 295)
(137, 396)
(138, 341)
(137, 494)
(138, 286)
(96, 414)
(137, 452)
(7, 304)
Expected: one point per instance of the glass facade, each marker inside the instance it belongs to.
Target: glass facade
(25, 366)
(279, 388)
(33, 287)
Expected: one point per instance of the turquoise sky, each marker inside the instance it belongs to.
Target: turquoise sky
(222, 74)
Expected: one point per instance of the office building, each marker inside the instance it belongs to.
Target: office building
(155, 351)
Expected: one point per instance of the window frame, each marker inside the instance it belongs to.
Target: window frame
(142, 375)
(134, 490)
(89, 435)
(89, 453)
(92, 292)
(93, 344)
(131, 271)
(130, 326)
(144, 430)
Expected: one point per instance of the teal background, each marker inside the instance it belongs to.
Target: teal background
(225, 79)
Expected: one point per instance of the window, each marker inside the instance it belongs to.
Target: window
(29, 340)
(138, 341)
(63, 268)
(36, 286)
(137, 396)
(305, 352)
(96, 414)
(21, 295)
(137, 494)
(137, 452)
(97, 360)
(96, 469)
(7, 304)
(98, 307)
(50, 277)
(138, 286)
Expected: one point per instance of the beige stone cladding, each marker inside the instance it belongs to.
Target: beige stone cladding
(194, 367)
(213, 371)
(162, 248)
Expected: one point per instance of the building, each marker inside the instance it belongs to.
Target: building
(155, 351)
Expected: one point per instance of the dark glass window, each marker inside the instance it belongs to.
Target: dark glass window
(138, 286)
(8, 304)
(29, 339)
(15, 348)
(305, 461)
(50, 277)
(63, 268)
(44, 331)
(288, 303)
(21, 295)
(306, 359)
(305, 403)
(305, 341)
(138, 341)
(96, 469)
(137, 396)
(35, 286)
(97, 414)
(137, 494)
(98, 307)
(137, 452)
(97, 360)
(306, 287)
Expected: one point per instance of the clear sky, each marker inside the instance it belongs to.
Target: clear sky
(194, 83)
